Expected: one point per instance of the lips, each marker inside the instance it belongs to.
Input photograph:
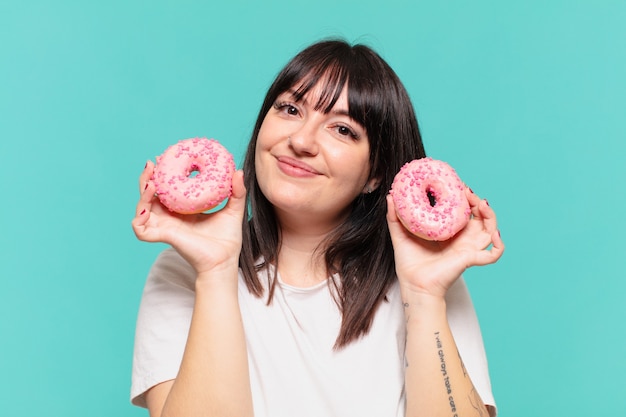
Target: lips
(296, 168)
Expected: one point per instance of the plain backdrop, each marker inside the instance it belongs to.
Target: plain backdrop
(526, 99)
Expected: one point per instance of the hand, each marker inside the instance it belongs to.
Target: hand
(206, 241)
(431, 267)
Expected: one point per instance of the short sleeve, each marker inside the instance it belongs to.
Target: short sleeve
(162, 323)
(468, 338)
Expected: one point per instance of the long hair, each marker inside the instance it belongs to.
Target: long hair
(359, 251)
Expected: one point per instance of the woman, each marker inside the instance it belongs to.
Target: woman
(322, 304)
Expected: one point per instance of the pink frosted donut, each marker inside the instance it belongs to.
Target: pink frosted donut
(430, 199)
(193, 175)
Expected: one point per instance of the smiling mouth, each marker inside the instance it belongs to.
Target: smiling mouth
(295, 168)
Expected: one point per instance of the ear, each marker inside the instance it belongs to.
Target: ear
(371, 185)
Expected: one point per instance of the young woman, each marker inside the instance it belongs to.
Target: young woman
(322, 304)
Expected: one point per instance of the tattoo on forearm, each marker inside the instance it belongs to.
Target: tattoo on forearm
(474, 398)
(477, 403)
(406, 305)
(444, 373)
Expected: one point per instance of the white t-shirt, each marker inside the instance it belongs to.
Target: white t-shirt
(294, 370)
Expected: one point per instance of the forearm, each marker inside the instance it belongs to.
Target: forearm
(213, 379)
(437, 383)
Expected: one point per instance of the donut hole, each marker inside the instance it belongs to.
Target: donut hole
(194, 170)
(432, 198)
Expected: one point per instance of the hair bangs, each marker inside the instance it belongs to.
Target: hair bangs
(331, 78)
(363, 100)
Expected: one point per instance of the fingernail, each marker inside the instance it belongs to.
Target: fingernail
(146, 187)
(142, 212)
(499, 235)
(487, 202)
(145, 166)
(471, 191)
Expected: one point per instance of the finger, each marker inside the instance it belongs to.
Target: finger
(490, 256)
(239, 189)
(146, 175)
(473, 201)
(139, 222)
(237, 200)
(144, 205)
(393, 221)
(147, 196)
(391, 209)
(398, 231)
(488, 216)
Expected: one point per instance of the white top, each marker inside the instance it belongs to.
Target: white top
(294, 370)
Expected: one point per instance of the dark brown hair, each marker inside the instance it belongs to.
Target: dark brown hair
(360, 249)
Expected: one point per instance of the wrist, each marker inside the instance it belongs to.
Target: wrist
(420, 292)
(219, 277)
(423, 306)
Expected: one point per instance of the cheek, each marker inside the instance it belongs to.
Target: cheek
(261, 139)
(265, 128)
(355, 164)
(259, 165)
(263, 143)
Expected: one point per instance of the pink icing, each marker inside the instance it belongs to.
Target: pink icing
(194, 175)
(410, 191)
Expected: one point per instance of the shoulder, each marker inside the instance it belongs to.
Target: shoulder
(467, 334)
(162, 323)
(169, 290)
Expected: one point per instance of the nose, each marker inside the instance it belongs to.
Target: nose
(304, 141)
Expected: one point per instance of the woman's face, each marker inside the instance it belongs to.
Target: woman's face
(309, 163)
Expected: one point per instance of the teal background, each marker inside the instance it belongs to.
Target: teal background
(526, 99)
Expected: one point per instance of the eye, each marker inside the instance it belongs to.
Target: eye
(346, 131)
(291, 110)
(286, 108)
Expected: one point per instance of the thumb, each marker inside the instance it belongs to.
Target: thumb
(237, 199)
(393, 222)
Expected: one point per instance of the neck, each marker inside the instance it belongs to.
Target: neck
(301, 258)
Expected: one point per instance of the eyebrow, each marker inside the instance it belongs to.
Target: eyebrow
(341, 112)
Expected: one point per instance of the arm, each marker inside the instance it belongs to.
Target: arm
(436, 380)
(437, 383)
(213, 377)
